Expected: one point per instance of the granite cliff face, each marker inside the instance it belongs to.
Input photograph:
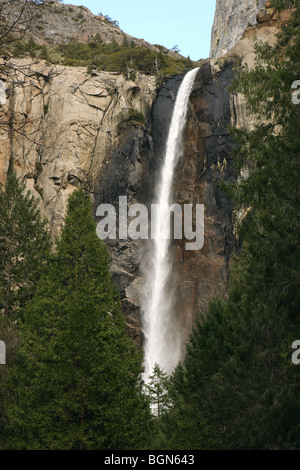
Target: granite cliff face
(76, 131)
(232, 17)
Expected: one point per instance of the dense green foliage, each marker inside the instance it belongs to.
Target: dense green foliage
(237, 386)
(24, 243)
(76, 384)
(24, 249)
(112, 57)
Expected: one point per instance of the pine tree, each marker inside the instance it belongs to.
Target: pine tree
(157, 390)
(24, 248)
(77, 384)
(24, 244)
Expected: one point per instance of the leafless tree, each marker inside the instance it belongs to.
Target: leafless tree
(16, 17)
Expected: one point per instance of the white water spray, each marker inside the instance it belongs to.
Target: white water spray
(162, 332)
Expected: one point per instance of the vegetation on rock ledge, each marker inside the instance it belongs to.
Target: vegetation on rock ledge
(125, 58)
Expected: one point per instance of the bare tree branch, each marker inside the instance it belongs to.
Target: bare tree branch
(15, 21)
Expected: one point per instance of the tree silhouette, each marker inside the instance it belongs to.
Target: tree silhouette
(157, 390)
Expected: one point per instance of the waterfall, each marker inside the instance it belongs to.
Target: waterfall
(162, 332)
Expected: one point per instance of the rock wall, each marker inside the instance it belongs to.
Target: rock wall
(202, 275)
(199, 275)
(232, 17)
(73, 129)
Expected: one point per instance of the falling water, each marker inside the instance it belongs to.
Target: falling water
(163, 343)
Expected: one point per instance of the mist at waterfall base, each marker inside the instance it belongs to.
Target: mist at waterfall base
(163, 342)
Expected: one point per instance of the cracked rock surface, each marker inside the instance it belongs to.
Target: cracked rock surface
(232, 17)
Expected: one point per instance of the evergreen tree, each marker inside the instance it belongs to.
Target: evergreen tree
(24, 244)
(157, 390)
(77, 383)
(24, 248)
(173, 427)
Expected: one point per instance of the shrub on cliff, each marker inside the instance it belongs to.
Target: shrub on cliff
(110, 57)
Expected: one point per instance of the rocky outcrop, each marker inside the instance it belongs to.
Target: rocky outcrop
(52, 22)
(69, 125)
(232, 17)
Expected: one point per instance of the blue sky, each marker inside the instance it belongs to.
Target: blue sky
(186, 23)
